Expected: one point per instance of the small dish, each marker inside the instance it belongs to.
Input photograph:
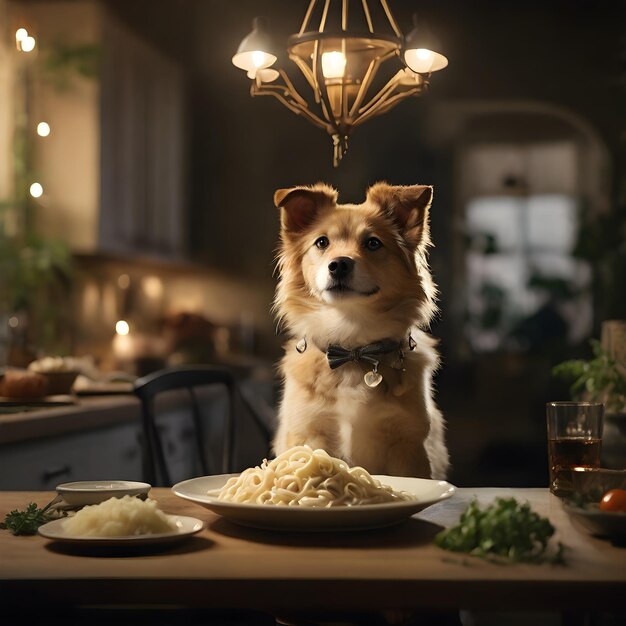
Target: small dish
(185, 528)
(611, 524)
(86, 492)
(59, 383)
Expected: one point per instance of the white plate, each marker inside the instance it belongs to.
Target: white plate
(86, 492)
(186, 526)
(426, 491)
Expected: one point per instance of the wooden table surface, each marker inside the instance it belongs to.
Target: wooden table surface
(227, 566)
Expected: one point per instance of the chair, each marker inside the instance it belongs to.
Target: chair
(156, 470)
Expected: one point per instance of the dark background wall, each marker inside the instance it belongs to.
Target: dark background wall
(563, 53)
(554, 64)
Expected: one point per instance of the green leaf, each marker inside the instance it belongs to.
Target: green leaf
(504, 531)
(28, 521)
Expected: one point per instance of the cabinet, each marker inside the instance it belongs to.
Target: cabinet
(142, 200)
(41, 464)
(113, 167)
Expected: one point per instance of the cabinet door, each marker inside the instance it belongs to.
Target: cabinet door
(143, 152)
(110, 453)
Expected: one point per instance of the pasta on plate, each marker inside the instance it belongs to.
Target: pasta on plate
(305, 477)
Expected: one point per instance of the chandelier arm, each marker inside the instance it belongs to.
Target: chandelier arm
(382, 95)
(324, 16)
(368, 17)
(305, 69)
(343, 103)
(315, 71)
(307, 16)
(292, 90)
(386, 105)
(293, 106)
(391, 19)
(328, 116)
(367, 79)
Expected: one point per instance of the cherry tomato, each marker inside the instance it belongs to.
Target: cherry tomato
(614, 500)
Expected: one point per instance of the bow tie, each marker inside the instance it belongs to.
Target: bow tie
(338, 356)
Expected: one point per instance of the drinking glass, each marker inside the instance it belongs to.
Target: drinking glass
(574, 440)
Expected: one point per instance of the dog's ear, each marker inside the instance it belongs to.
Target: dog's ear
(300, 205)
(407, 207)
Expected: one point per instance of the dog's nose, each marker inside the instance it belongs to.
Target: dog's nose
(341, 267)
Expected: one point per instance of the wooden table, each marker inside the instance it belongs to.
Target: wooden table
(227, 566)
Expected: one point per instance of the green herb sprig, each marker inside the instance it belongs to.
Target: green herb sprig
(28, 521)
(505, 531)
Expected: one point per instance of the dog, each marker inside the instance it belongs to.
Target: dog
(354, 294)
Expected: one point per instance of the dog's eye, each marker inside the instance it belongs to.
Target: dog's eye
(373, 243)
(322, 243)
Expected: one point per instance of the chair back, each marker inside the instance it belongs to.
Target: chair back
(188, 377)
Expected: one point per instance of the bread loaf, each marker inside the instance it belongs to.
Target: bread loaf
(23, 384)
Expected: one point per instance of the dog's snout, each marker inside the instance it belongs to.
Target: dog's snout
(341, 267)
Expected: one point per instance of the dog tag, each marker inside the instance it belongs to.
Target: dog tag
(301, 345)
(372, 379)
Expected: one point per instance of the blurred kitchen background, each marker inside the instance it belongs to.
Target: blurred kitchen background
(137, 174)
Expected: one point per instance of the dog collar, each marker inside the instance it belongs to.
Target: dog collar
(370, 353)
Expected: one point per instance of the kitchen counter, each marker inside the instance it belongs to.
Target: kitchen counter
(101, 438)
(86, 413)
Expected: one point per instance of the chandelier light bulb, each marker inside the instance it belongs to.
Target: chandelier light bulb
(259, 59)
(253, 60)
(21, 34)
(419, 60)
(256, 50)
(36, 190)
(27, 44)
(333, 64)
(421, 50)
(43, 129)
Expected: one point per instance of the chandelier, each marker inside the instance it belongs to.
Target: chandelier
(339, 62)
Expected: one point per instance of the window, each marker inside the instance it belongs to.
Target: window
(524, 283)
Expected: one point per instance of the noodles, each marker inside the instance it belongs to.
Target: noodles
(305, 477)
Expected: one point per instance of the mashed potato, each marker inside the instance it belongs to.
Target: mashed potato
(119, 517)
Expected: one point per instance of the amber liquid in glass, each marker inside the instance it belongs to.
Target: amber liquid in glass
(568, 452)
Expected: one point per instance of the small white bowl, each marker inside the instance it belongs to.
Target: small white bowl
(86, 492)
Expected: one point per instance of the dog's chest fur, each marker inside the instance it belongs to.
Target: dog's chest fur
(335, 410)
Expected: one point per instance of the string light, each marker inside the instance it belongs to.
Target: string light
(43, 129)
(36, 190)
(122, 327)
(27, 44)
(123, 281)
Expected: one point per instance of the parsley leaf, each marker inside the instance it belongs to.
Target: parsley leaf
(28, 521)
(504, 531)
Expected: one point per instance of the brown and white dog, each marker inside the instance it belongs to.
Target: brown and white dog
(354, 292)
